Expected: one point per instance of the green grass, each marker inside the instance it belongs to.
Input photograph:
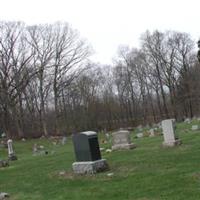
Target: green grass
(148, 172)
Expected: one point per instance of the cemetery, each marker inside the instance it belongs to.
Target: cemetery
(164, 165)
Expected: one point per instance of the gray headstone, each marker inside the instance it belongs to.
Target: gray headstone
(122, 140)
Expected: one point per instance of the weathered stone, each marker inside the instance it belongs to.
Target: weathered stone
(195, 127)
(152, 133)
(4, 163)
(3, 195)
(64, 140)
(168, 133)
(187, 120)
(3, 135)
(108, 150)
(139, 135)
(110, 174)
(90, 167)
(122, 140)
(102, 149)
(11, 153)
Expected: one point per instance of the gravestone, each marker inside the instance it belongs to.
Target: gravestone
(4, 163)
(139, 135)
(11, 153)
(152, 133)
(170, 140)
(107, 135)
(195, 127)
(122, 140)
(3, 135)
(64, 140)
(187, 120)
(4, 195)
(88, 155)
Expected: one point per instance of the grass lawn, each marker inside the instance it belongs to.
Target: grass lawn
(148, 172)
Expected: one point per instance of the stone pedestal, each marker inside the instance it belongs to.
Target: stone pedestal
(123, 146)
(172, 143)
(12, 157)
(4, 163)
(90, 167)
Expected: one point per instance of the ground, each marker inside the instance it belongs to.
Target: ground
(149, 172)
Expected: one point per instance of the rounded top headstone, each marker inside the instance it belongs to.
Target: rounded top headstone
(9, 140)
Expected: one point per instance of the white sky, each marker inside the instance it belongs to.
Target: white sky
(109, 23)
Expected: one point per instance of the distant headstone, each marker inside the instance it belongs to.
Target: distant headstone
(64, 140)
(4, 163)
(187, 120)
(107, 136)
(35, 148)
(122, 140)
(88, 155)
(168, 133)
(139, 135)
(3, 135)
(11, 153)
(152, 133)
(4, 195)
(195, 127)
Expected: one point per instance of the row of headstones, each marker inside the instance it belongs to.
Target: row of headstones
(87, 151)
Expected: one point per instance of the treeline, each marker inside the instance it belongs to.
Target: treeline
(49, 87)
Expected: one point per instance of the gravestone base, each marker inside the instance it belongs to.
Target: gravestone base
(4, 163)
(90, 167)
(123, 146)
(12, 157)
(172, 144)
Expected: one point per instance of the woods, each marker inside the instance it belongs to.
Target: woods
(48, 85)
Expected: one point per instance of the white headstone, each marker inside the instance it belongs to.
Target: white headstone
(187, 120)
(152, 134)
(168, 133)
(64, 140)
(195, 127)
(10, 147)
(122, 140)
(139, 135)
(11, 153)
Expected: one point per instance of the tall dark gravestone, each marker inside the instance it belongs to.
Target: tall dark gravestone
(86, 146)
(87, 153)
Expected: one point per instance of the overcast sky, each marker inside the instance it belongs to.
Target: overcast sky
(109, 23)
